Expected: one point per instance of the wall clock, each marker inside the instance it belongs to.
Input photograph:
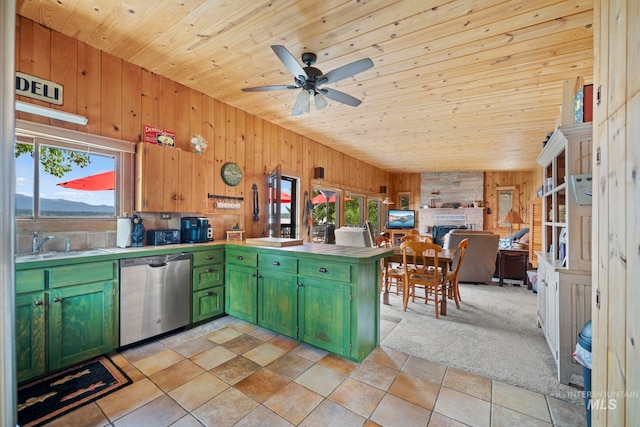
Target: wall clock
(231, 174)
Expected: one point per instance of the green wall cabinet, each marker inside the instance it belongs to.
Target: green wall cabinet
(207, 284)
(64, 315)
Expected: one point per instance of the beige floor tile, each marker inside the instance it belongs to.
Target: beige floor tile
(162, 411)
(179, 338)
(293, 402)
(439, 420)
(425, 369)
(208, 327)
(129, 398)
(565, 414)
(197, 391)
(211, 358)
(370, 423)
(309, 352)
(158, 362)
(226, 409)
(357, 396)
(468, 383)
(329, 414)
(262, 384)
(415, 390)
(262, 417)
(284, 343)
(521, 400)
(393, 411)
(264, 353)
(388, 357)
(242, 344)
(195, 346)
(338, 364)
(223, 335)
(186, 421)
(320, 379)
(235, 370)
(290, 365)
(464, 408)
(374, 374)
(143, 351)
(89, 415)
(241, 325)
(176, 375)
(504, 417)
(263, 334)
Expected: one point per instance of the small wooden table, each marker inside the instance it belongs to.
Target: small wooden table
(512, 264)
(444, 259)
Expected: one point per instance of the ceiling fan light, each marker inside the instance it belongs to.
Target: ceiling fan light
(303, 100)
(296, 109)
(319, 101)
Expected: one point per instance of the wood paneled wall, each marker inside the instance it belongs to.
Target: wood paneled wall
(119, 98)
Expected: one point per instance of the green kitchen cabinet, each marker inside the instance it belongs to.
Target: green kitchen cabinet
(30, 339)
(277, 293)
(324, 314)
(241, 283)
(207, 284)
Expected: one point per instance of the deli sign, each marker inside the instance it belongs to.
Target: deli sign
(37, 88)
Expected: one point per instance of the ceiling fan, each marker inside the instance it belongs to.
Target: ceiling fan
(309, 79)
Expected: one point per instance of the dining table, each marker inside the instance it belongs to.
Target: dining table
(445, 257)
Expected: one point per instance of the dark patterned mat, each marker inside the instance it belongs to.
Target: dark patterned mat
(50, 397)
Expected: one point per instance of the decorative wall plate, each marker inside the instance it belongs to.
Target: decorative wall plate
(231, 174)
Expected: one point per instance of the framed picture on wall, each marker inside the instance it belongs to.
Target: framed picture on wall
(404, 200)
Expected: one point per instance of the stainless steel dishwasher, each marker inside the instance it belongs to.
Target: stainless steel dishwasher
(155, 293)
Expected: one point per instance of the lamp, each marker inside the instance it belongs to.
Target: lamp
(387, 201)
(26, 107)
(511, 218)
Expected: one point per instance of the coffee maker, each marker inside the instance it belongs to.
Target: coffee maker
(194, 229)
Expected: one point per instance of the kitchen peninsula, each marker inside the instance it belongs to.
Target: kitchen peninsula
(324, 295)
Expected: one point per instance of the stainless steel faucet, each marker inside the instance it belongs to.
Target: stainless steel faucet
(36, 245)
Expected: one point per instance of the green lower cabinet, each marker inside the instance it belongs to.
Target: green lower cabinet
(30, 335)
(278, 302)
(324, 314)
(241, 292)
(80, 323)
(207, 303)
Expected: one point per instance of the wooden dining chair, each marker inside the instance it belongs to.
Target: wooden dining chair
(416, 238)
(451, 279)
(420, 261)
(394, 273)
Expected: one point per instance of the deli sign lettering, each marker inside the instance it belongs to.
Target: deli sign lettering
(37, 88)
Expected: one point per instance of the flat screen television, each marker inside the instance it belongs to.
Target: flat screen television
(400, 219)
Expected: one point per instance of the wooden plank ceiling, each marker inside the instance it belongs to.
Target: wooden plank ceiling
(458, 85)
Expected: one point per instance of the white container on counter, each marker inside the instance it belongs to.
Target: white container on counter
(123, 232)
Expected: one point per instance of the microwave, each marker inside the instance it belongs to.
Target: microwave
(163, 237)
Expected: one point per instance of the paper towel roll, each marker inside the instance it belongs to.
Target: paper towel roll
(123, 232)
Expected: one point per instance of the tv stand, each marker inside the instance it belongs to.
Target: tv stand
(396, 234)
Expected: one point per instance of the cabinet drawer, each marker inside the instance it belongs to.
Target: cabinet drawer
(208, 257)
(207, 276)
(334, 271)
(240, 256)
(29, 280)
(277, 262)
(80, 273)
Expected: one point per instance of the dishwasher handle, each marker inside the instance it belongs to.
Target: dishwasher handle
(158, 265)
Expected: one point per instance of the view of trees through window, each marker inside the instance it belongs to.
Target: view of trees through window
(67, 182)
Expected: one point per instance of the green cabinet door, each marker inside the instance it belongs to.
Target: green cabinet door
(278, 302)
(80, 323)
(207, 303)
(30, 330)
(241, 289)
(324, 314)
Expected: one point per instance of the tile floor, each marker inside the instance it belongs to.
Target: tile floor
(231, 373)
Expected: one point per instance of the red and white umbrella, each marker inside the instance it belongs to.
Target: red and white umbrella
(98, 182)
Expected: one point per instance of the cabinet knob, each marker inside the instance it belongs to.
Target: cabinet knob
(208, 257)
(322, 270)
(56, 299)
(38, 302)
(276, 263)
(240, 257)
(208, 270)
(208, 294)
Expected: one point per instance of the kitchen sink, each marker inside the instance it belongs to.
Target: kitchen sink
(59, 255)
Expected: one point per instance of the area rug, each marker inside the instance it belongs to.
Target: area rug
(47, 398)
(493, 334)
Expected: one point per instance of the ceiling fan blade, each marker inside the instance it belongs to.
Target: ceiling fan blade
(341, 97)
(268, 88)
(346, 71)
(289, 61)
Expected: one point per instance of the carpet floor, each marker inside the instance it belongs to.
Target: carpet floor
(494, 334)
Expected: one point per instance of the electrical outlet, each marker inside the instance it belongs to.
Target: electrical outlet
(165, 216)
